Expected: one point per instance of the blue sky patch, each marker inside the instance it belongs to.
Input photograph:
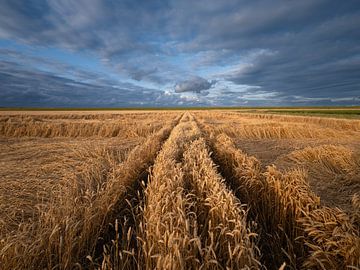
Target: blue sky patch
(57, 53)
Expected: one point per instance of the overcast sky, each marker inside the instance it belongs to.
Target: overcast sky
(109, 53)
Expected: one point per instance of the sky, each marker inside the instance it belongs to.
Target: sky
(114, 53)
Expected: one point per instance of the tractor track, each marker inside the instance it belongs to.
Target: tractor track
(189, 198)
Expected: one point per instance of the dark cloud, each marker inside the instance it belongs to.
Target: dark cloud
(21, 87)
(196, 84)
(291, 52)
(307, 49)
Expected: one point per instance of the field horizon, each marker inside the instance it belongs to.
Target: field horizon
(180, 107)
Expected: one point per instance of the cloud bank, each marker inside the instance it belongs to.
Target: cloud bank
(294, 53)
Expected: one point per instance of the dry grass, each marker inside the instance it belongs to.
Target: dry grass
(142, 190)
(36, 242)
(341, 124)
(333, 158)
(292, 224)
(227, 242)
(334, 172)
(255, 129)
(271, 207)
(183, 227)
(264, 126)
(169, 240)
(67, 230)
(86, 126)
(332, 238)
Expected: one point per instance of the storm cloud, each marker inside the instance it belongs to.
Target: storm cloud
(196, 85)
(155, 53)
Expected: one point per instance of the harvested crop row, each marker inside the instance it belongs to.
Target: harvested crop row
(332, 123)
(78, 129)
(334, 159)
(332, 238)
(286, 210)
(277, 131)
(269, 130)
(267, 207)
(341, 124)
(227, 243)
(334, 172)
(50, 168)
(259, 128)
(168, 231)
(68, 232)
(40, 116)
(187, 228)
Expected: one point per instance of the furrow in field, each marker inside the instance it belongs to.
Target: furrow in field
(67, 234)
(227, 242)
(169, 239)
(293, 226)
(190, 219)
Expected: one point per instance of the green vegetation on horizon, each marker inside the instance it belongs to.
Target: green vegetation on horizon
(338, 112)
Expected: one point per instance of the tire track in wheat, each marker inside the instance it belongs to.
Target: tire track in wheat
(67, 234)
(183, 227)
(226, 239)
(168, 238)
(293, 226)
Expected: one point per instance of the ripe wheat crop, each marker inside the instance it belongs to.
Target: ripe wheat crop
(178, 190)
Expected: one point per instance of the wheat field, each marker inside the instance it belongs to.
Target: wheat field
(178, 190)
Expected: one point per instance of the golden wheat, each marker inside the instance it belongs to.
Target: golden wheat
(68, 230)
(168, 238)
(252, 126)
(227, 241)
(285, 207)
(341, 124)
(162, 190)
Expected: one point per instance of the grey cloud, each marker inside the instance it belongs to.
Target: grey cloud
(112, 29)
(311, 47)
(196, 84)
(34, 88)
(21, 87)
(139, 74)
(157, 72)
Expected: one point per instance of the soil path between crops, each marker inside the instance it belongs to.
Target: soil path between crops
(126, 210)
